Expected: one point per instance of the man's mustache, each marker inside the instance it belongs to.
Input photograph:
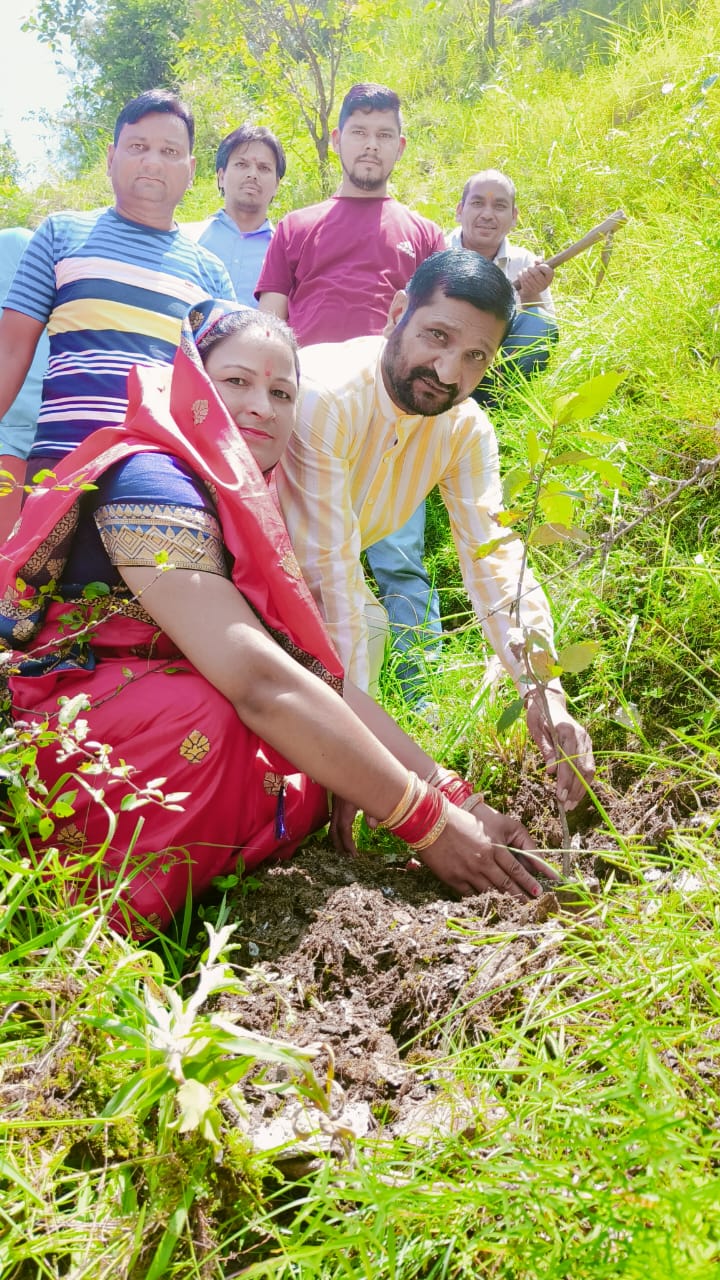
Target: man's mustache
(429, 375)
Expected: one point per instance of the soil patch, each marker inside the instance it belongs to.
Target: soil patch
(384, 969)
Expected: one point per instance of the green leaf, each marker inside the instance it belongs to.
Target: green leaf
(589, 398)
(514, 482)
(63, 808)
(543, 666)
(70, 708)
(609, 472)
(488, 548)
(509, 715)
(545, 535)
(194, 1100)
(557, 506)
(532, 445)
(507, 518)
(46, 826)
(576, 657)
(598, 437)
(10, 1171)
(571, 457)
(132, 801)
(94, 590)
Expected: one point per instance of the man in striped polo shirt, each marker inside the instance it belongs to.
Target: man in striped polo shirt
(112, 286)
(380, 422)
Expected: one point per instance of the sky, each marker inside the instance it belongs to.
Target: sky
(29, 83)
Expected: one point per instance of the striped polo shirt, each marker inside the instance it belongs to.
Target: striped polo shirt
(113, 294)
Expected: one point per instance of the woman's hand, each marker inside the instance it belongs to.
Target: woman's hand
(472, 855)
(342, 818)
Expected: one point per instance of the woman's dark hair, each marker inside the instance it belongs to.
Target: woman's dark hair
(242, 137)
(155, 100)
(240, 321)
(463, 274)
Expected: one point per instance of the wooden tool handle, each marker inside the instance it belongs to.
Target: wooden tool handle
(605, 228)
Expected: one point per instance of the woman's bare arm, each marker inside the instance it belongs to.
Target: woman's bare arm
(306, 721)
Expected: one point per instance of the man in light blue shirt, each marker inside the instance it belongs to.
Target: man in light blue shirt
(250, 163)
(17, 427)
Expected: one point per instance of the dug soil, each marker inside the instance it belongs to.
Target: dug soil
(380, 970)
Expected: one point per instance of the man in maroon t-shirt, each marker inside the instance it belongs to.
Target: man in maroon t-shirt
(332, 271)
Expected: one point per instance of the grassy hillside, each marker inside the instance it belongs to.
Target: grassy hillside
(577, 1086)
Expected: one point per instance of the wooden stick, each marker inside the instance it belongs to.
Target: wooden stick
(605, 228)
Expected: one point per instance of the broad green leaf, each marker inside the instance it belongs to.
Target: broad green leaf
(545, 535)
(532, 445)
(608, 472)
(557, 507)
(46, 826)
(194, 1100)
(507, 518)
(488, 548)
(589, 398)
(571, 457)
(514, 482)
(509, 715)
(94, 590)
(63, 808)
(132, 801)
(543, 666)
(569, 533)
(596, 436)
(576, 657)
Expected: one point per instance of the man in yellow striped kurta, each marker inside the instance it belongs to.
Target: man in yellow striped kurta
(383, 420)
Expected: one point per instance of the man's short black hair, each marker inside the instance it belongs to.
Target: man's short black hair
(242, 137)
(369, 97)
(463, 274)
(155, 100)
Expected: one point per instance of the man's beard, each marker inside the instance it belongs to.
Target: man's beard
(365, 184)
(402, 389)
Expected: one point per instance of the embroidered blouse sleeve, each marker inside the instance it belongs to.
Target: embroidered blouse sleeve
(152, 511)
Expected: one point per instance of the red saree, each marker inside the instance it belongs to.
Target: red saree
(155, 710)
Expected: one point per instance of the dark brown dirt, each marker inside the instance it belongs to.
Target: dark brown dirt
(384, 969)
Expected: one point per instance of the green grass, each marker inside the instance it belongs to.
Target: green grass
(596, 1090)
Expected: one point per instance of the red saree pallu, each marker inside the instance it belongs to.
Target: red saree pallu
(154, 710)
(164, 719)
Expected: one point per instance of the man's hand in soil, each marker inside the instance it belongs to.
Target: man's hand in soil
(573, 741)
(472, 855)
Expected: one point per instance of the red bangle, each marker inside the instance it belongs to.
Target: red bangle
(421, 816)
(451, 784)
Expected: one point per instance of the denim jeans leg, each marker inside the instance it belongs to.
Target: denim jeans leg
(411, 602)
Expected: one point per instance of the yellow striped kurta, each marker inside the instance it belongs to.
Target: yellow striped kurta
(356, 469)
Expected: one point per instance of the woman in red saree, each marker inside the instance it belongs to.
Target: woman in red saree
(168, 593)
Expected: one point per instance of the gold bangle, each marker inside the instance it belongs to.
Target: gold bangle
(473, 801)
(400, 810)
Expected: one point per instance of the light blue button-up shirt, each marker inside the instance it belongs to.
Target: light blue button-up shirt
(17, 428)
(241, 252)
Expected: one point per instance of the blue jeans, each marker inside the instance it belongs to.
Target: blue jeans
(411, 602)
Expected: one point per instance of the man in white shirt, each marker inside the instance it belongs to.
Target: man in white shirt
(382, 420)
(487, 212)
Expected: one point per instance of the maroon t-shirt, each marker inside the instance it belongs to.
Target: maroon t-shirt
(340, 264)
